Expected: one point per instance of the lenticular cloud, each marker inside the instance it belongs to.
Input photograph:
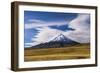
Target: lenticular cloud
(82, 29)
(81, 32)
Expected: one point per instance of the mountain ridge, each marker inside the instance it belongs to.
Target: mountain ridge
(57, 41)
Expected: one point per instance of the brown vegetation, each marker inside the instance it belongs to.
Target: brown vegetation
(80, 51)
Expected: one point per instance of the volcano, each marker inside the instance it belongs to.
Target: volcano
(57, 41)
(62, 39)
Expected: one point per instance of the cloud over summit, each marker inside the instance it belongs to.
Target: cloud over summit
(80, 24)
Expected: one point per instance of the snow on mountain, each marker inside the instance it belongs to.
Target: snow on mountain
(61, 38)
(57, 41)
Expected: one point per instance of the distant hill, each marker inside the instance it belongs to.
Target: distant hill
(57, 41)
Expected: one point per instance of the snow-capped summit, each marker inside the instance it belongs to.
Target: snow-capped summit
(62, 38)
(57, 41)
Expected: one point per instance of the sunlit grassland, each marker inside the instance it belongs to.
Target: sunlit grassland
(80, 51)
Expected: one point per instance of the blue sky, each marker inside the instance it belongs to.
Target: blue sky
(39, 24)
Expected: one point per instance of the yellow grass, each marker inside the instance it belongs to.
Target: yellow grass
(71, 52)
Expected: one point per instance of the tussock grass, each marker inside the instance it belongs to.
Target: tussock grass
(81, 51)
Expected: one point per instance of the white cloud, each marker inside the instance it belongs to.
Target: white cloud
(80, 22)
(35, 21)
(39, 23)
(80, 34)
(82, 29)
(45, 34)
(31, 44)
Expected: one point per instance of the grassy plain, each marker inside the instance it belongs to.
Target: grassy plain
(80, 51)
